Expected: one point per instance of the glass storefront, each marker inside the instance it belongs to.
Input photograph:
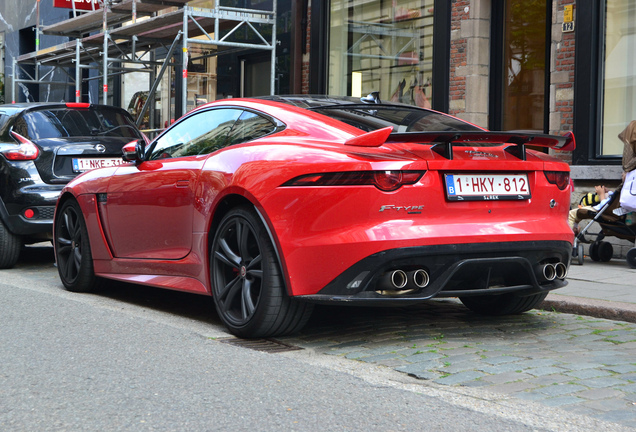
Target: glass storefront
(524, 64)
(382, 46)
(619, 73)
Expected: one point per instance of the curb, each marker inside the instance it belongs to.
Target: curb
(590, 307)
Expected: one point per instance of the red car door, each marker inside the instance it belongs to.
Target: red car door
(149, 207)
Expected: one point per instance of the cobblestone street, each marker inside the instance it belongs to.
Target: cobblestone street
(580, 364)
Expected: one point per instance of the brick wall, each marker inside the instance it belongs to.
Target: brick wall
(562, 76)
(458, 55)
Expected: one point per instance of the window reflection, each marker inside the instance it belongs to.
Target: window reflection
(382, 46)
(619, 85)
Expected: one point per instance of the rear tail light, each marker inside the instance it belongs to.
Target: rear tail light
(559, 178)
(26, 150)
(386, 181)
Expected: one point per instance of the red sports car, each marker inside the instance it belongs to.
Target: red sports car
(272, 205)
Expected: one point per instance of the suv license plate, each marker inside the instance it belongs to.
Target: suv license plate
(85, 164)
(482, 187)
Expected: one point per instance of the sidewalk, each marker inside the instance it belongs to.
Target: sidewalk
(603, 290)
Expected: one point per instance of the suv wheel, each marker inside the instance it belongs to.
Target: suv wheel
(10, 245)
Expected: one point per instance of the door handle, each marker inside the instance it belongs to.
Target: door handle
(183, 183)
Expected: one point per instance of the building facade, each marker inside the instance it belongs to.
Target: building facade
(501, 64)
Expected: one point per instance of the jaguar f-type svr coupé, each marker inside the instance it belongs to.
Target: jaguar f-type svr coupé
(272, 205)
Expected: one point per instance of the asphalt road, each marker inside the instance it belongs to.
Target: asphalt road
(141, 359)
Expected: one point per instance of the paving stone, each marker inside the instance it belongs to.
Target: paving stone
(497, 369)
(561, 389)
(543, 371)
(501, 359)
(602, 393)
(504, 378)
(424, 357)
(588, 373)
(602, 382)
(460, 378)
(610, 405)
(561, 401)
(418, 371)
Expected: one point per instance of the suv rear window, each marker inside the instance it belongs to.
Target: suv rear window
(64, 122)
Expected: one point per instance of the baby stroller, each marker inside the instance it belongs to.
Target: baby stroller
(611, 225)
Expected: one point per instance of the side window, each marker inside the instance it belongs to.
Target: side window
(249, 127)
(202, 133)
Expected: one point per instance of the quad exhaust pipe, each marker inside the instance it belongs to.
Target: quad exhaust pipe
(549, 272)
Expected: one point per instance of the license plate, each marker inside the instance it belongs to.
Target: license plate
(85, 164)
(467, 187)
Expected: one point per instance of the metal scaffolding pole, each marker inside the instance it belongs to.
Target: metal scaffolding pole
(184, 63)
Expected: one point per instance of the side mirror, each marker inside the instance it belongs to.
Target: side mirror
(133, 152)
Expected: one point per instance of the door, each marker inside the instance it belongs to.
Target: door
(149, 207)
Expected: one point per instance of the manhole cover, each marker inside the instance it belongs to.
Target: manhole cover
(265, 345)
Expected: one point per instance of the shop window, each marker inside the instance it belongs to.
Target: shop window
(524, 54)
(381, 46)
(619, 73)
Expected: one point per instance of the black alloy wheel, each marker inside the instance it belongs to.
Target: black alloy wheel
(72, 250)
(247, 283)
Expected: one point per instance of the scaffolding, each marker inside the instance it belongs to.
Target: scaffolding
(125, 32)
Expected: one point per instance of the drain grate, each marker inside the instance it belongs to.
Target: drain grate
(265, 345)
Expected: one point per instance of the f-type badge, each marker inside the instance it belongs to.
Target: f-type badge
(406, 209)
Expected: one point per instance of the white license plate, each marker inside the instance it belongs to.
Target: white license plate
(461, 187)
(85, 164)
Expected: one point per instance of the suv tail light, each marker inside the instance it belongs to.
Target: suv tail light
(26, 150)
(386, 181)
(559, 178)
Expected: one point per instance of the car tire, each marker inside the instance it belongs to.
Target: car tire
(247, 283)
(73, 251)
(10, 246)
(505, 304)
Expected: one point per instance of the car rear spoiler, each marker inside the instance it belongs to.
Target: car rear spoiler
(443, 141)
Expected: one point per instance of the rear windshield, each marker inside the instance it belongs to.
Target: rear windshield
(402, 119)
(65, 122)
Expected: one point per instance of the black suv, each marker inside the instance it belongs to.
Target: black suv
(42, 147)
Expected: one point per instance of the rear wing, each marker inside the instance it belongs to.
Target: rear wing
(443, 141)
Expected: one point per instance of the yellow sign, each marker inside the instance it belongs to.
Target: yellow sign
(568, 13)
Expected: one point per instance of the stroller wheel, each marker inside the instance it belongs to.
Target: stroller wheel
(579, 254)
(605, 251)
(631, 258)
(594, 252)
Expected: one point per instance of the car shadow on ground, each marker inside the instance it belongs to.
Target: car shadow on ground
(432, 317)
(362, 323)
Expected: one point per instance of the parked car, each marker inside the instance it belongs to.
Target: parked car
(271, 205)
(42, 147)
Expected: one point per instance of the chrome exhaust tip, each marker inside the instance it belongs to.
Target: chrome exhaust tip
(546, 272)
(418, 278)
(399, 279)
(561, 270)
